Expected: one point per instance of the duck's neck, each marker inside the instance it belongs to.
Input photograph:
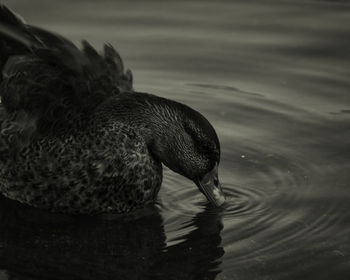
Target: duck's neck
(154, 115)
(172, 131)
(158, 120)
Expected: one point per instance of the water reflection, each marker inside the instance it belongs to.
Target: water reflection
(35, 243)
(199, 254)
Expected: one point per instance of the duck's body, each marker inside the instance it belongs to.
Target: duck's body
(76, 138)
(100, 165)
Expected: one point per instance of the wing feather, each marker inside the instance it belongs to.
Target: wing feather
(47, 78)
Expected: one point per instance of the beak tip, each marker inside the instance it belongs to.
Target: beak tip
(218, 197)
(210, 186)
(219, 200)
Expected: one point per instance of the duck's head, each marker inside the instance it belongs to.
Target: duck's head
(187, 143)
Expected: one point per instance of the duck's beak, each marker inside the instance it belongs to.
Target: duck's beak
(210, 186)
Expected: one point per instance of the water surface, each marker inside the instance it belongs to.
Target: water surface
(273, 78)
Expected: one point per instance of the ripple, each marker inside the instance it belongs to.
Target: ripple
(278, 218)
(226, 88)
(243, 201)
(270, 213)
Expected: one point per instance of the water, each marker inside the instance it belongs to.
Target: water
(273, 78)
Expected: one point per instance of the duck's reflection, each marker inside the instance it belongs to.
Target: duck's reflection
(198, 256)
(36, 244)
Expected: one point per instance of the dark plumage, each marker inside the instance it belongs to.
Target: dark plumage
(76, 138)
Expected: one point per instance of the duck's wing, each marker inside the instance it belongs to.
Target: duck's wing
(45, 77)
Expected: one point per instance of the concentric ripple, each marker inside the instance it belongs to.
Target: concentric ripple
(244, 201)
(269, 214)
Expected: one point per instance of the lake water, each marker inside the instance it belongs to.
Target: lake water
(273, 77)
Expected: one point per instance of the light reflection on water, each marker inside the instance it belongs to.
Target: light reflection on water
(273, 78)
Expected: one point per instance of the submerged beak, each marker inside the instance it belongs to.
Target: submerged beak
(211, 188)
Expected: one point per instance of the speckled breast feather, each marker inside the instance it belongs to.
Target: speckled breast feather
(103, 168)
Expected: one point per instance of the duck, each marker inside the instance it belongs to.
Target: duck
(75, 137)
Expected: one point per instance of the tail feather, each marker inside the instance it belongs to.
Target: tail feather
(48, 77)
(13, 27)
(116, 66)
(113, 58)
(14, 37)
(18, 38)
(9, 17)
